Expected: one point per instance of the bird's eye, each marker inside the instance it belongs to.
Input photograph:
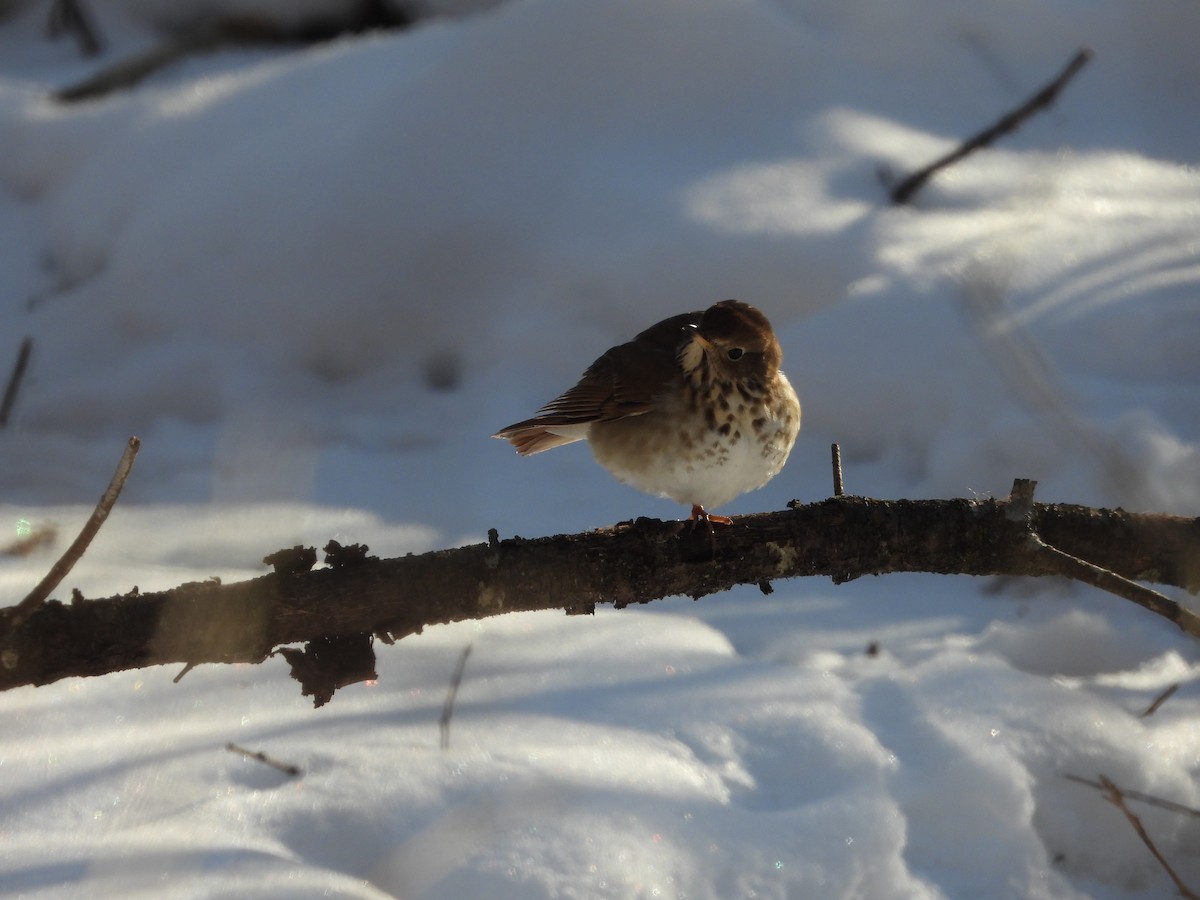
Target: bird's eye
(735, 353)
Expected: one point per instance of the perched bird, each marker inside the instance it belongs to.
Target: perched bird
(694, 408)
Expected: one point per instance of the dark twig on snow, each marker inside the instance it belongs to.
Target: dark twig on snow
(14, 380)
(1159, 701)
(903, 192)
(70, 15)
(286, 768)
(67, 561)
(451, 696)
(1148, 799)
(1114, 796)
(235, 32)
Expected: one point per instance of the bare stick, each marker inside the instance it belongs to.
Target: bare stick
(130, 72)
(285, 768)
(451, 696)
(70, 15)
(1084, 571)
(1020, 508)
(67, 561)
(903, 191)
(838, 487)
(1148, 799)
(14, 380)
(1116, 798)
(1160, 700)
(235, 32)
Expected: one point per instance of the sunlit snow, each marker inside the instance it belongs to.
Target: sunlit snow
(314, 280)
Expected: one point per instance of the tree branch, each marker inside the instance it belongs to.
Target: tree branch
(1011, 121)
(1114, 795)
(236, 31)
(1082, 570)
(91, 527)
(1149, 799)
(635, 562)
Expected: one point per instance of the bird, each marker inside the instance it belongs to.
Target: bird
(695, 408)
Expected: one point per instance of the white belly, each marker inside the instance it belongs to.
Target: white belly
(698, 461)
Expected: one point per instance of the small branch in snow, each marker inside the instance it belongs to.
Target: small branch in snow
(1159, 701)
(236, 32)
(37, 597)
(129, 72)
(286, 768)
(14, 380)
(903, 192)
(838, 486)
(1114, 796)
(1148, 799)
(451, 696)
(72, 16)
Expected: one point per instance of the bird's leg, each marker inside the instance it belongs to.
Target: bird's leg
(700, 515)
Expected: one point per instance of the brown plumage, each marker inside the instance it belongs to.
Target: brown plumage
(694, 408)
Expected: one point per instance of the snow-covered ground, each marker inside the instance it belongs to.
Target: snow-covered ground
(313, 281)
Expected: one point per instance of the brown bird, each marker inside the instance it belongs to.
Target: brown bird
(694, 408)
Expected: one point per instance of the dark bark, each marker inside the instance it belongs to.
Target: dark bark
(842, 537)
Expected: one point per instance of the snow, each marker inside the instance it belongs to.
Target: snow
(314, 280)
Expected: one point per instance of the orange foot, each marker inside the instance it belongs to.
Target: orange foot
(699, 515)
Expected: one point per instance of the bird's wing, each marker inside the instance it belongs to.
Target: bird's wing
(623, 382)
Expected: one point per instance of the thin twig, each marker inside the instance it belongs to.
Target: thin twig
(1148, 799)
(14, 380)
(1159, 701)
(903, 191)
(285, 768)
(838, 486)
(452, 695)
(70, 15)
(238, 32)
(1115, 797)
(129, 72)
(1082, 570)
(1039, 386)
(67, 561)
(1020, 508)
